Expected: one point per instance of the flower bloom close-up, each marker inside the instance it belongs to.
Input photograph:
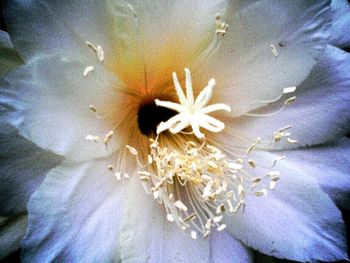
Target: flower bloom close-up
(174, 131)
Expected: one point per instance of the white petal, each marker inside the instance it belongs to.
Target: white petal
(320, 113)
(245, 68)
(296, 220)
(75, 215)
(329, 165)
(152, 39)
(340, 23)
(147, 235)
(224, 248)
(52, 99)
(23, 167)
(56, 27)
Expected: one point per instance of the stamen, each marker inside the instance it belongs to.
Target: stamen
(274, 50)
(93, 138)
(221, 27)
(108, 137)
(87, 70)
(98, 50)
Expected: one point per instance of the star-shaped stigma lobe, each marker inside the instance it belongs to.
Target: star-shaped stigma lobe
(192, 112)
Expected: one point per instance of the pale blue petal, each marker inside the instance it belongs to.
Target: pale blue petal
(225, 249)
(297, 220)
(75, 215)
(245, 68)
(48, 27)
(341, 23)
(329, 165)
(48, 101)
(147, 236)
(23, 166)
(320, 113)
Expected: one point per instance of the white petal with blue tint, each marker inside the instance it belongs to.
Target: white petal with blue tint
(23, 167)
(75, 215)
(340, 23)
(51, 100)
(54, 28)
(297, 220)
(225, 248)
(147, 235)
(320, 113)
(329, 165)
(246, 66)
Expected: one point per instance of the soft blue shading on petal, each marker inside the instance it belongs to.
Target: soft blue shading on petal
(321, 111)
(147, 236)
(23, 166)
(9, 59)
(226, 249)
(48, 101)
(296, 221)
(12, 230)
(341, 23)
(40, 27)
(330, 165)
(75, 215)
(245, 68)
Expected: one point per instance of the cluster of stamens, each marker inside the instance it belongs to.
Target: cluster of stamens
(199, 184)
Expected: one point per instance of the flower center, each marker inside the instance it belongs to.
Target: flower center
(197, 178)
(197, 182)
(150, 115)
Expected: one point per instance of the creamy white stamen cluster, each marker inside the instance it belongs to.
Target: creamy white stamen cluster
(192, 112)
(199, 184)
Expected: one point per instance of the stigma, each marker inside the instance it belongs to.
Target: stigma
(192, 112)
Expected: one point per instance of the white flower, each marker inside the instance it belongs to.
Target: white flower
(81, 152)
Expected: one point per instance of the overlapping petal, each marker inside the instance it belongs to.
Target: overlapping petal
(152, 39)
(246, 66)
(340, 23)
(54, 28)
(329, 165)
(49, 99)
(75, 215)
(23, 167)
(320, 113)
(297, 220)
(224, 248)
(144, 221)
(81, 212)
